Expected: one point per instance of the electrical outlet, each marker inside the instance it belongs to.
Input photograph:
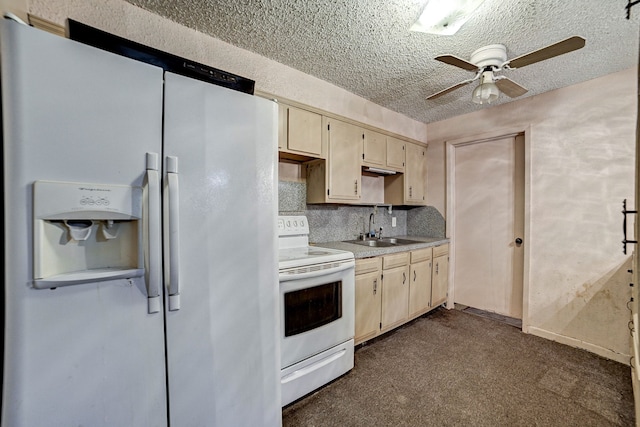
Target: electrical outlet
(393, 221)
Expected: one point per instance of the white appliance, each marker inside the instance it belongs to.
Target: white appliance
(140, 243)
(317, 310)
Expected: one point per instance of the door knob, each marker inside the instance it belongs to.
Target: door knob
(518, 241)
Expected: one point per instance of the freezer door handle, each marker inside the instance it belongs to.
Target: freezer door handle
(174, 233)
(152, 230)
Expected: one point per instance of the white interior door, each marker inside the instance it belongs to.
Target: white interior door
(489, 217)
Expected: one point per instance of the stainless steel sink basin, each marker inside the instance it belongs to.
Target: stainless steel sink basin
(395, 241)
(372, 242)
(383, 243)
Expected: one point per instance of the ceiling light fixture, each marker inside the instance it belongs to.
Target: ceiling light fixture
(487, 91)
(445, 17)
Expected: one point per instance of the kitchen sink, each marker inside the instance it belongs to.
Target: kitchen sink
(385, 242)
(395, 241)
(376, 243)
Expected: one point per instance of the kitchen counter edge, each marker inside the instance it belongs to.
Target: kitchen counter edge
(360, 251)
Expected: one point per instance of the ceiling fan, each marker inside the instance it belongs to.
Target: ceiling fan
(489, 60)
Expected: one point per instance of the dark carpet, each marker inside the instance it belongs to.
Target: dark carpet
(451, 368)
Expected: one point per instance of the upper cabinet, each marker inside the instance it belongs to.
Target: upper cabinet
(300, 133)
(381, 151)
(409, 188)
(335, 153)
(374, 149)
(395, 154)
(338, 178)
(415, 174)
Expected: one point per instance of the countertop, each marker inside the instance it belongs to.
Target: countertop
(360, 251)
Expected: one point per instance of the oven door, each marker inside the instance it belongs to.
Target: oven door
(316, 309)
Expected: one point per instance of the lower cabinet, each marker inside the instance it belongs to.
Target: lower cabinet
(420, 286)
(393, 289)
(368, 296)
(440, 275)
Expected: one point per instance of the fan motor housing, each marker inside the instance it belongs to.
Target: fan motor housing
(493, 55)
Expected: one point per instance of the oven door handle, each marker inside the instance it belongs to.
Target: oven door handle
(304, 273)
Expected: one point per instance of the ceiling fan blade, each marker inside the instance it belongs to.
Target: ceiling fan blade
(450, 89)
(510, 88)
(457, 62)
(560, 48)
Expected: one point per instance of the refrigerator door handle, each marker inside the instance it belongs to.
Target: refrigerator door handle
(154, 250)
(174, 234)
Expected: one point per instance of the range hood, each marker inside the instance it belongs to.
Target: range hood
(378, 171)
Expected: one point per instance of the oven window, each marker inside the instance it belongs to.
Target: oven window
(310, 308)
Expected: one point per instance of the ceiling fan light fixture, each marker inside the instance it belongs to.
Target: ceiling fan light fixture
(445, 17)
(487, 91)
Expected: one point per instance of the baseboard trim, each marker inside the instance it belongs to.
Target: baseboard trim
(573, 342)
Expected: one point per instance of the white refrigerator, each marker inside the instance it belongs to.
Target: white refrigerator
(140, 263)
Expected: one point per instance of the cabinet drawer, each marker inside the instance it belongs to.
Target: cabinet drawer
(420, 255)
(395, 260)
(368, 265)
(441, 250)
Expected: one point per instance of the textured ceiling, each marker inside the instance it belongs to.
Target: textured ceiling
(365, 47)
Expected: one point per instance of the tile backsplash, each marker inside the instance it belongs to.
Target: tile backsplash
(329, 223)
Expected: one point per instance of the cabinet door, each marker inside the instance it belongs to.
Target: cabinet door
(395, 154)
(419, 288)
(415, 174)
(395, 297)
(304, 131)
(440, 280)
(374, 149)
(344, 161)
(368, 300)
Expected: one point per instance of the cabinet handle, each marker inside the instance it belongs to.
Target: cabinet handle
(404, 278)
(356, 186)
(375, 286)
(414, 275)
(410, 191)
(437, 264)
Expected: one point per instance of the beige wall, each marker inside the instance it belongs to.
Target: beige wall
(17, 7)
(131, 22)
(581, 166)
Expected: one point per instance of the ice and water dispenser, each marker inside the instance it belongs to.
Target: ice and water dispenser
(86, 233)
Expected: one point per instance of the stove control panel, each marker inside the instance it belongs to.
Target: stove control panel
(293, 225)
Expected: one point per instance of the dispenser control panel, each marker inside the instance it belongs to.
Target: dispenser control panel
(69, 200)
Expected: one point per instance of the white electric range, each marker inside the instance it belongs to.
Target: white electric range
(317, 300)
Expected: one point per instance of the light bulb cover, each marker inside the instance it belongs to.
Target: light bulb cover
(485, 93)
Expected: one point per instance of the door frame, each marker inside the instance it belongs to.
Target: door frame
(450, 155)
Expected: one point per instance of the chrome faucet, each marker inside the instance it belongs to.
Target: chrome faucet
(371, 218)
